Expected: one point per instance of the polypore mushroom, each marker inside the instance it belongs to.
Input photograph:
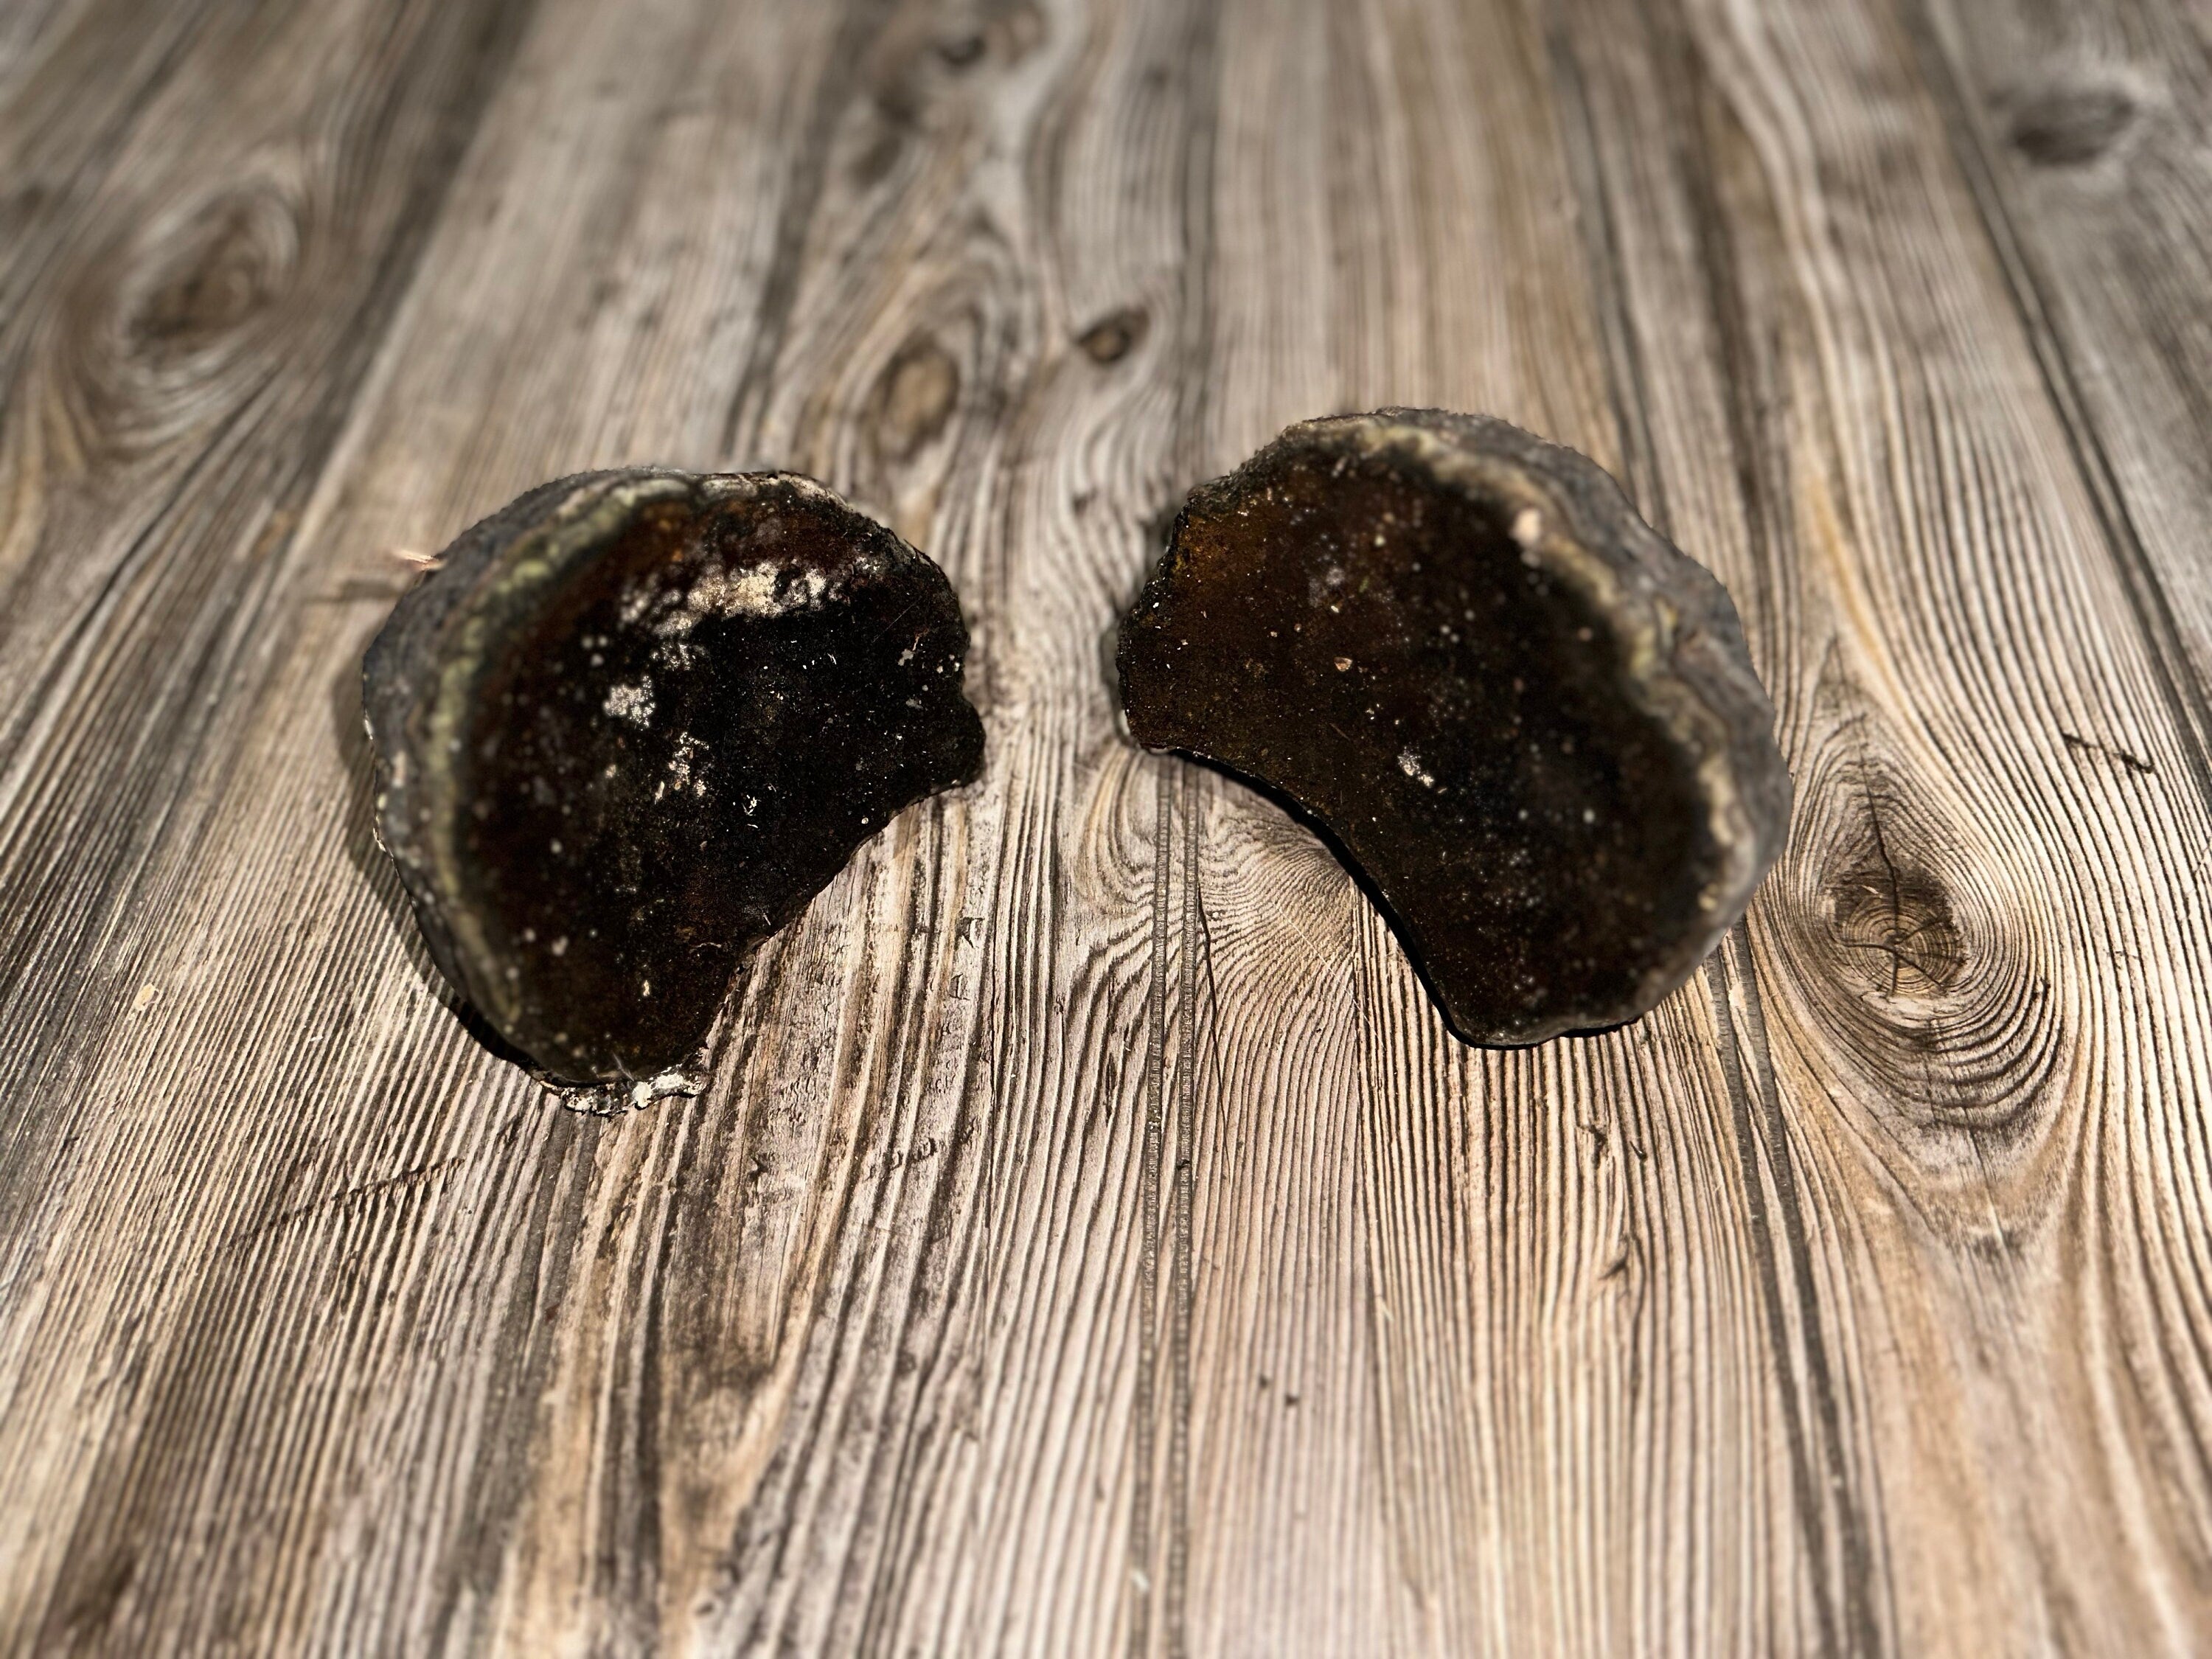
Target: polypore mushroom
(634, 722)
(1528, 721)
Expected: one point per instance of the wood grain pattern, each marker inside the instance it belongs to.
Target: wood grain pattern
(1090, 1240)
(2083, 131)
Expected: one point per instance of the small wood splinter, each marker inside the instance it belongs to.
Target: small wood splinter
(631, 724)
(1529, 722)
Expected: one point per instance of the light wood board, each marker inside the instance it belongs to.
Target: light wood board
(1091, 1241)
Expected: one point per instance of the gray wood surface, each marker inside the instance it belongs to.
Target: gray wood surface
(1091, 1241)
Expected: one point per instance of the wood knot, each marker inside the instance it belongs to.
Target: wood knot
(1896, 927)
(916, 398)
(1913, 950)
(1008, 34)
(20, 207)
(213, 275)
(2070, 125)
(1113, 336)
(963, 51)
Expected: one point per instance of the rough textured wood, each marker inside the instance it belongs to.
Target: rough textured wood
(2083, 130)
(1091, 1241)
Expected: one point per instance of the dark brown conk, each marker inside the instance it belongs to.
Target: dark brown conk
(632, 724)
(1528, 720)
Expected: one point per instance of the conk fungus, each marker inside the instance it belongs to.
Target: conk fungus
(1529, 722)
(634, 722)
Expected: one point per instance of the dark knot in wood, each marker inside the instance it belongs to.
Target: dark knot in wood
(2070, 125)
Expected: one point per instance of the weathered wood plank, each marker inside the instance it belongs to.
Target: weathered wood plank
(2084, 129)
(179, 361)
(1969, 1006)
(189, 314)
(73, 75)
(1091, 1241)
(1463, 1382)
(488, 1549)
(988, 1324)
